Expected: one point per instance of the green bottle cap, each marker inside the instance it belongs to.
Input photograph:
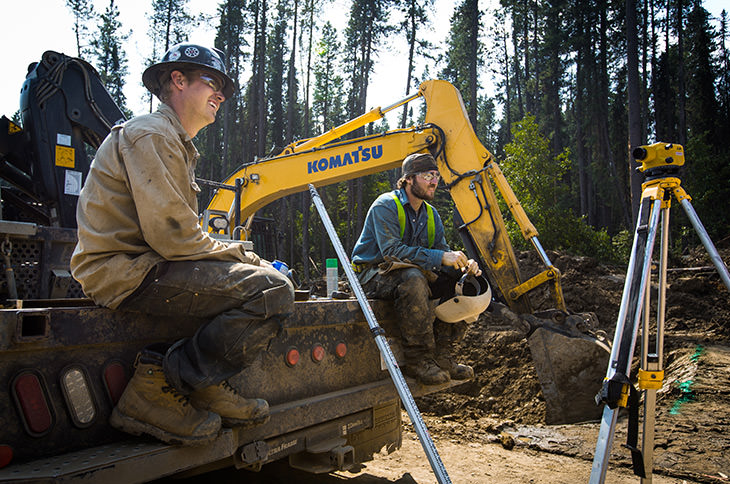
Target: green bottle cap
(332, 263)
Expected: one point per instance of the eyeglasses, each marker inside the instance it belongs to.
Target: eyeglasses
(430, 175)
(211, 81)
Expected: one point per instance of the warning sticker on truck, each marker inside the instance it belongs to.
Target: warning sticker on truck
(72, 183)
(65, 156)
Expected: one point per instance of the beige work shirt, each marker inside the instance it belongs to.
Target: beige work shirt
(139, 207)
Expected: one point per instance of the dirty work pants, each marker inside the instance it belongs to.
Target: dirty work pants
(421, 332)
(244, 304)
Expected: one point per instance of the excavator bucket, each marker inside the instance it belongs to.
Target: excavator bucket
(570, 359)
(571, 372)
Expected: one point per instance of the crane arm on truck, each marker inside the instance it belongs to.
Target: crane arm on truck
(63, 106)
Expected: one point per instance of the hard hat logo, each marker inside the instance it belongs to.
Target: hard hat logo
(188, 56)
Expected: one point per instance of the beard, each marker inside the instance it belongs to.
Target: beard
(421, 192)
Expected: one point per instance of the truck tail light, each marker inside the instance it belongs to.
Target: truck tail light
(6, 455)
(292, 356)
(30, 396)
(317, 353)
(75, 386)
(341, 350)
(115, 381)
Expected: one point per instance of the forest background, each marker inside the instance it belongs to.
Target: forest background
(558, 90)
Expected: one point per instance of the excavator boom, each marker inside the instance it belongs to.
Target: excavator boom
(470, 174)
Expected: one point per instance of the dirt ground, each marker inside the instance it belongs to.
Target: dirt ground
(493, 429)
(504, 404)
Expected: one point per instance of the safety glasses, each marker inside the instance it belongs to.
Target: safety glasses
(211, 81)
(430, 175)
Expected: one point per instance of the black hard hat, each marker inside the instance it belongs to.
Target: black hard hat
(190, 56)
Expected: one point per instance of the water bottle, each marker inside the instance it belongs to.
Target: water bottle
(331, 276)
(281, 267)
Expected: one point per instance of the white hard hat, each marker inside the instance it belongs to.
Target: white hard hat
(472, 297)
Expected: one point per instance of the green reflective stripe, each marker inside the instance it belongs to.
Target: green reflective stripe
(431, 224)
(401, 214)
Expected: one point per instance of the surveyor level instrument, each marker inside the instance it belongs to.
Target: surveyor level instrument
(400, 383)
(660, 164)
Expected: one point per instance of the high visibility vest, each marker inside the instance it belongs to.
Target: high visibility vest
(431, 224)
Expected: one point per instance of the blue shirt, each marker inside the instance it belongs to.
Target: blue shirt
(380, 236)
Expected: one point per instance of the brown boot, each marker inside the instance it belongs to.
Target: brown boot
(456, 370)
(150, 405)
(234, 410)
(426, 371)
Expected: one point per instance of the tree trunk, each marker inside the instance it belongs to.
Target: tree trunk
(635, 133)
(473, 56)
(291, 81)
(261, 83)
(411, 34)
(682, 80)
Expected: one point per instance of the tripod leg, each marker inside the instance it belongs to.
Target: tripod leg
(625, 336)
(652, 362)
(706, 241)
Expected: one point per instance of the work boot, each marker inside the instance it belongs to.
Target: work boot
(150, 405)
(456, 370)
(426, 371)
(234, 410)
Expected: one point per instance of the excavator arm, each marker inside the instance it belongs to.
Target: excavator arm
(569, 359)
(467, 168)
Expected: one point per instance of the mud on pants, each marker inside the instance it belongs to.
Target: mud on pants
(244, 305)
(421, 331)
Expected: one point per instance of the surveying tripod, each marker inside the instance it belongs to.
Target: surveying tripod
(660, 164)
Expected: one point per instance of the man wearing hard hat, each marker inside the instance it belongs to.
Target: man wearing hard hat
(141, 248)
(402, 255)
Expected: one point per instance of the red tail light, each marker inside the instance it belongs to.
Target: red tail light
(6, 455)
(115, 381)
(30, 396)
(292, 357)
(317, 353)
(341, 350)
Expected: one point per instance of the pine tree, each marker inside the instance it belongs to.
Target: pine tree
(111, 60)
(723, 87)
(366, 28)
(464, 54)
(83, 13)
(416, 15)
(275, 79)
(708, 163)
(170, 24)
(328, 84)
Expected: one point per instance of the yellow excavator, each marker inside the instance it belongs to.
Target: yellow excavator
(569, 354)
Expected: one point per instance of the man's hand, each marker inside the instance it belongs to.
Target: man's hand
(457, 260)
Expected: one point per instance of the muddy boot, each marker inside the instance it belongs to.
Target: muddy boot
(234, 410)
(150, 405)
(456, 370)
(426, 371)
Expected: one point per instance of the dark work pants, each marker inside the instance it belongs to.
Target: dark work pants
(244, 303)
(411, 292)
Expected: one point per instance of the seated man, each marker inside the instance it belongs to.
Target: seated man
(401, 225)
(141, 248)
